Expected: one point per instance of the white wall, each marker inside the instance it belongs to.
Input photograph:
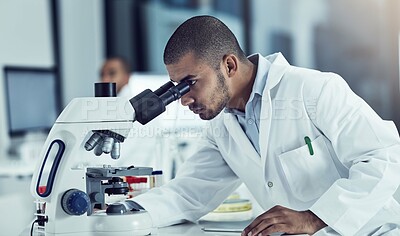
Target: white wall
(81, 46)
(25, 40)
(294, 18)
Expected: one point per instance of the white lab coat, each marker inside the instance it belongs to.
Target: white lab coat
(348, 182)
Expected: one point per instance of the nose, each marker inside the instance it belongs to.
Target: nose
(186, 99)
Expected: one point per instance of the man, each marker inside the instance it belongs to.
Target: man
(116, 70)
(315, 156)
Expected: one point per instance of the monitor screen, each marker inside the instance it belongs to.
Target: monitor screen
(32, 99)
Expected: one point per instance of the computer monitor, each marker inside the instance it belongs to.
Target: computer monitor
(32, 99)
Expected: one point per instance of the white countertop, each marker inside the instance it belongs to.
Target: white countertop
(191, 229)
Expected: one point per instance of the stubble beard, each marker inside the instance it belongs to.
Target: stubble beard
(220, 96)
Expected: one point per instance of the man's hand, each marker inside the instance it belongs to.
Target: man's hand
(284, 220)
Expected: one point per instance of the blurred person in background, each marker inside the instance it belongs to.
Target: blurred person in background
(117, 70)
(141, 147)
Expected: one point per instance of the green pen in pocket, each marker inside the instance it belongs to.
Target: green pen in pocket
(308, 142)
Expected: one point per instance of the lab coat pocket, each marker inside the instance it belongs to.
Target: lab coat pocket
(309, 176)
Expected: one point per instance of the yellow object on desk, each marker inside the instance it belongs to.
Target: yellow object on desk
(234, 205)
(232, 209)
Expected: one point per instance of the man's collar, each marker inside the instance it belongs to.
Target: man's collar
(263, 66)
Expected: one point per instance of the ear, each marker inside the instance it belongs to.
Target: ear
(230, 64)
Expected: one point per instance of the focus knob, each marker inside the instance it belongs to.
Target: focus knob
(75, 202)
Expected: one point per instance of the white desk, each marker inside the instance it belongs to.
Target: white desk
(181, 229)
(16, 169)
(11, 166)
(191, 229)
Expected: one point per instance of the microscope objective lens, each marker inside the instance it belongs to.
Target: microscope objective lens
(93, 141)
(98, 149)
(115, 152)
(108, 144)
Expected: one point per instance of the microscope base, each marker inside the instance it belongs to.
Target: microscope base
(101, 224)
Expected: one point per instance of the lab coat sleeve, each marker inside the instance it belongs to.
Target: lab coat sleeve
(368, 146)
(201, 184)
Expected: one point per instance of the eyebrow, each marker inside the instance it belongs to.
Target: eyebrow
(185, 78)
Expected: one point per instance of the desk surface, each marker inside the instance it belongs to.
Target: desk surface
(15, 168)
(191, 229)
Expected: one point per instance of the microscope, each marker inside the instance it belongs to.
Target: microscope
(72, 175)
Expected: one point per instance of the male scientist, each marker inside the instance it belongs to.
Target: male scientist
(315, 156)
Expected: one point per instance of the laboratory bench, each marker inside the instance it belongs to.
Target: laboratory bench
(188, 228)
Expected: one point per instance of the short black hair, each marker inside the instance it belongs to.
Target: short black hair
(208, 38)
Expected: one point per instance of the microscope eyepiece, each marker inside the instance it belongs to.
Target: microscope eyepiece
(175, 92)
(164, 88)
(149, 105)
(105, 90)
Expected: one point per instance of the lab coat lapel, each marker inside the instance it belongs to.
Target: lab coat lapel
(240, 138)
(278, 67)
